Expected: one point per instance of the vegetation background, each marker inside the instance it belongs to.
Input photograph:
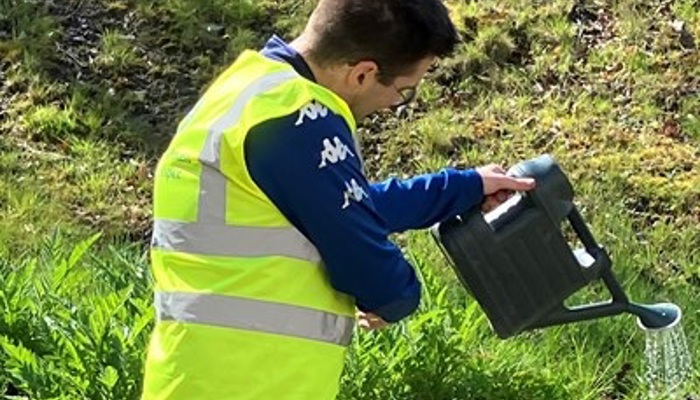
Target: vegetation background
(91, 91)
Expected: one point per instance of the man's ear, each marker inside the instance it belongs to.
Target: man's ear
(362, 74)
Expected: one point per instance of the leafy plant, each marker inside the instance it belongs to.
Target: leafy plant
(74, 324)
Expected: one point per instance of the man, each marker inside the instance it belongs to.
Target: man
(267, 235)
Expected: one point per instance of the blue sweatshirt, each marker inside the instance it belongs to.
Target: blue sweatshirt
(309, 166)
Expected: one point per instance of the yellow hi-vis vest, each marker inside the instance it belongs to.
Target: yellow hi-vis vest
(244, 307)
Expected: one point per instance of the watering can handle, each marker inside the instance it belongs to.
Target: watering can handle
(599, 255)
(582, 231)
(601, 267)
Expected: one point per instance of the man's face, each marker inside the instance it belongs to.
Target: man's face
(375, 96)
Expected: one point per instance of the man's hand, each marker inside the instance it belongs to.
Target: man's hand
(495, 179)
(498, 187)
(496, 199)
(370, 321)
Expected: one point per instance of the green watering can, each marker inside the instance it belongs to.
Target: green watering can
(518, 265)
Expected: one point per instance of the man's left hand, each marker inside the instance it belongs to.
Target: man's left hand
(369, 321)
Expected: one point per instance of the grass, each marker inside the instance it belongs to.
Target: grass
(117, 51)
(91, 92)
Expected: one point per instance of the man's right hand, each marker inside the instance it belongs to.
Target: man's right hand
(496, 199)
(499, 187)
(494, 180)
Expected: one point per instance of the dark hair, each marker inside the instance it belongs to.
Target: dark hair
(395, 34)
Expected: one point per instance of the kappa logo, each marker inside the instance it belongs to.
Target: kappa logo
(353, 192)
(334, 151)
(312, 111)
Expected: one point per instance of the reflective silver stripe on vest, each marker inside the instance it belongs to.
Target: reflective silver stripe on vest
(232, 241)
(209, 234)
(212, 190)
(254, 315)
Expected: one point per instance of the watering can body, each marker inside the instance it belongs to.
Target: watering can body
(517, 262)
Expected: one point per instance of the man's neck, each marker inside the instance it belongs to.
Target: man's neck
(330, 78)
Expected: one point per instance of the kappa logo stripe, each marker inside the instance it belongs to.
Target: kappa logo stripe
(334, 151)
(353, 192)
(311, 111)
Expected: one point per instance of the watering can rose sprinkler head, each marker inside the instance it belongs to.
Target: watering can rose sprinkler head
(656, 316)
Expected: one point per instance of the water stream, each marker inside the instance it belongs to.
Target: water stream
(667, 360)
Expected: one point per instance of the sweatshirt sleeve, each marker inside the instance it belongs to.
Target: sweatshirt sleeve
(424, 200)
(310, 169)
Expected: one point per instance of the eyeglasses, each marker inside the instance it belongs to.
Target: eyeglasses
(408, 94)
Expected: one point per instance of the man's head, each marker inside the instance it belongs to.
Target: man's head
(373, 53)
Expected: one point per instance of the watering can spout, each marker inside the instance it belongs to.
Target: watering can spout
(656, 316)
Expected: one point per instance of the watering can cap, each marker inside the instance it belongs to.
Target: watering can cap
(536, 167)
